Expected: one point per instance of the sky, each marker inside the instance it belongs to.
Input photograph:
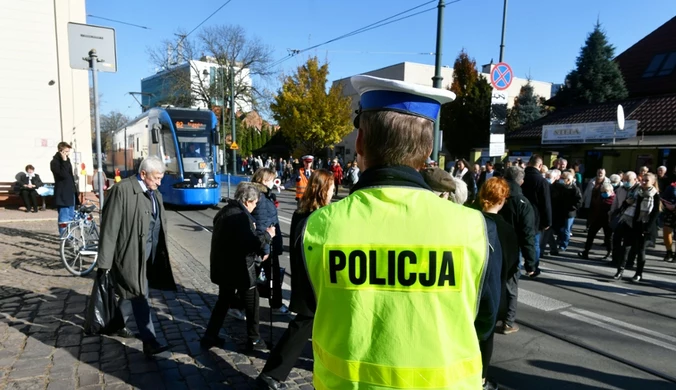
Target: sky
(543, 37)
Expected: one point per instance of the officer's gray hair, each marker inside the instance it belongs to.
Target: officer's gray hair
(554, 174)
(246, 192)
(460, 194)
(152, 164)
(515, 173)
(661, 168)
(567, 175)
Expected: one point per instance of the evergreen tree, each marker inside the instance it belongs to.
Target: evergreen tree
(527, 108)
(257, 139)
(597, 78)
(466, 121)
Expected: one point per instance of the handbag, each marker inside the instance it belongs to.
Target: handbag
(263, 282)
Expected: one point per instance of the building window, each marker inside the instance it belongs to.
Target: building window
(661, 65)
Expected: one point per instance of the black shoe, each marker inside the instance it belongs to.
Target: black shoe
(535, 274)
(606, 256)
(153, 348)
(264, 382)
(488, 385)
(671, 259)
(618, 275)
(668, 256)
(210, 341)
(584, 255)
(637, 278)
(35, 210)
(258, 345)
(125, 333)
(28, 211)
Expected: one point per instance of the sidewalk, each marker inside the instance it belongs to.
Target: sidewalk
(42, 345)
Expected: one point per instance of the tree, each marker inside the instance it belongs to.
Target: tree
(527, 108)
(466, 121)
(309, 117)
(224, 46)
(597, 78)
(109, 123)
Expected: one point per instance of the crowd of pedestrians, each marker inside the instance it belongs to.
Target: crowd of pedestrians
(357, 276)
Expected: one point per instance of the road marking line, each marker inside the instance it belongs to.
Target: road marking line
(539, 301)
(616, 329)
(284, 219)
(625, 325)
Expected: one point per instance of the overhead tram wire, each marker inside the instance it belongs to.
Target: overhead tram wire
(380, 23)
(118, 21)
(183, 37)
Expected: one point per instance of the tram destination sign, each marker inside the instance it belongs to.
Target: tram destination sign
(587, 133)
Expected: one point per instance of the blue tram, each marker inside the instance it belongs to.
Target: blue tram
(185, 139)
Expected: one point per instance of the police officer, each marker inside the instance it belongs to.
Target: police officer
(398, 274)
(303, 177)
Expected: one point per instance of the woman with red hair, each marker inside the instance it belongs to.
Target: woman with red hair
(492, 197)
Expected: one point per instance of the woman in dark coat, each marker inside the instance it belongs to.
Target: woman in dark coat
(235, 249)
(282, 358)
(265, 215)
(65, 191)
(643, 224)
(28, 183)
(492, 197)
(566, 200)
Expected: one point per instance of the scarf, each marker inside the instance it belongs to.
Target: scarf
(647, 203)
(460, 174)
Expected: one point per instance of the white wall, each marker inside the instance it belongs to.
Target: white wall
(36, 116)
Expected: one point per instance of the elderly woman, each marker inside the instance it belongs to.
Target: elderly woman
(235, 249)
(445, 185)
(28, 183)
(265, 215)
(643, 223)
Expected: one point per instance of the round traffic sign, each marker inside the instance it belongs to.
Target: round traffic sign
(501, 76)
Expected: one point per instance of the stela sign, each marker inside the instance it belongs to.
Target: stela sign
(585, 133)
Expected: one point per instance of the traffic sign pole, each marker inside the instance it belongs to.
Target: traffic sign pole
(93, 59)
(437, 79)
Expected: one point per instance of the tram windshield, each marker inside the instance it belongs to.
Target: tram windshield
(196, 153)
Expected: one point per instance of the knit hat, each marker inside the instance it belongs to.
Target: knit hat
(438, 179)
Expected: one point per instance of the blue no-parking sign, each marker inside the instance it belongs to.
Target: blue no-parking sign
(501, 76)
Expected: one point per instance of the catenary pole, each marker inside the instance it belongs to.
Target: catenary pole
(437, 79)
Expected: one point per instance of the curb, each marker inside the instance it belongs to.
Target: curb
(29, 220)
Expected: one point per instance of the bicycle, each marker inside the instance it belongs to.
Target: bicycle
(80, 242)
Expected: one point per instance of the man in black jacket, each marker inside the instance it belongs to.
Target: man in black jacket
(537, 189)
(485, 175)
(518, 212)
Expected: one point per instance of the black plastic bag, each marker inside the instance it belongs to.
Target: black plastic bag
(102, 309)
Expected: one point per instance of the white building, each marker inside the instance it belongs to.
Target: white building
(422, 74)
(42, 100)
(159, 87)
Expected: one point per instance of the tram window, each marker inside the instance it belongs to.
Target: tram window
(169, 150)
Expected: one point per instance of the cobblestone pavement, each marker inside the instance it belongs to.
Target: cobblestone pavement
(42, 345)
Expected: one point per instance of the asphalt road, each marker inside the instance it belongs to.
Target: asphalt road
(579, 328)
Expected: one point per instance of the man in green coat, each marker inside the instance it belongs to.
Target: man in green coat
(132, 246)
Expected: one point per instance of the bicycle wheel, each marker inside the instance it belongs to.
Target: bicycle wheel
(79, 252)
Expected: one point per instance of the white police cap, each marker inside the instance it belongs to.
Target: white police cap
(378, 94)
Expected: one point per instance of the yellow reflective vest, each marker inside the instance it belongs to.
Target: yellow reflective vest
(397, 274)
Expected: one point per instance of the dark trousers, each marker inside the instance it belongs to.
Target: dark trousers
(624, 250)
(141, 309)
(288, 349)
(486, 347)
(512, 297)
(271, 268)
(30, 198)
(594, 228)
(225, 297)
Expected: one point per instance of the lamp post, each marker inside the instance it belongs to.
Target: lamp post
(436, 80)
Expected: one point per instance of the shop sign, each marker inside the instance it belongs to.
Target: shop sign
(586, 133)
